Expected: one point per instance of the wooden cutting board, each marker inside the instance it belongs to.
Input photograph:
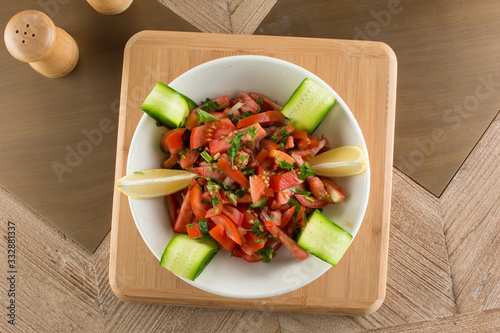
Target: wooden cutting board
(363, 73)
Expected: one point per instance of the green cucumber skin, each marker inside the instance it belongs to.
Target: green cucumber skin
(158, 105)
(303, 119)
(324, 239)
(204, 249)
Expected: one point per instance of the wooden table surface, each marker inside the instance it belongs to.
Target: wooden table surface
(443, 269)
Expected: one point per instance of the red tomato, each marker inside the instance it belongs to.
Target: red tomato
(249, 103)
(284, 181)
(201, 135)
(287, 217)
(287, 241)
(318, 188)
(229, 227)
(251, 243)
(190, 156)
(192, 120)
(210, 172)
(172, 141)
(297, 134)
(222, 144)
(237, 175)
(220, 235)
(193, 230)
(172, 206)
(267, 103)
(185, 214)
(234, 214)
(312, 202)
(333, 190)
(196, 205)
(257, 187)
(239, 253)
(264, 119)
(280, 156)
(268, 144)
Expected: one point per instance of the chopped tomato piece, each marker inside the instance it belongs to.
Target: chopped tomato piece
(190, 156)
(280, 156)
(265, 102)
(172, 206)
(222, 144)
(318, 188)
(297, 134)
(210, 172)
(264, 119)
(249, 103)
(192, 120)
(261, 156)
(283, 181)
(334, 191)
(287, 217)
(251, 243)
(310, 201)
(257, 187)
(268, 144)
(172, 141)
(229, 227)
(239, 253)
(196, 205)
(233, 213)
(201, 135)
(287, 241)
(193, 230)
(237, 175)
(314, 142)
(185, 214)
(220, 235)
(171, 161)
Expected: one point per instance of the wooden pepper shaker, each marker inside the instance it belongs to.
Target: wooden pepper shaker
(110, 7)
(32, 37)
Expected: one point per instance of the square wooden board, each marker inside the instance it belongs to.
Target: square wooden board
(363, 73)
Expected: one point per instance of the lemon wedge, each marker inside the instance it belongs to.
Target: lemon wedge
(154, 183)
(339, 162)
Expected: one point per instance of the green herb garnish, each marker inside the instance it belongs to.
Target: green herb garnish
(138, 173)
(305, 171)
(206, 156)
(266, 253)
(214, 201)
(299, 191)
(285, 165)
(181, 154)
(259, 204)
(309, 199)
(208, 105)
(205, 117)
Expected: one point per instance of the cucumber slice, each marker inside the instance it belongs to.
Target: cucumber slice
(308, 105)
(167, 106)
(324, 239)
(188, 257)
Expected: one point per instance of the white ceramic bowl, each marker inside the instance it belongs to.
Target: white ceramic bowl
(234, 277)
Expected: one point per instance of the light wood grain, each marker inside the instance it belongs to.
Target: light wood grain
(32, 37)
(110, 7)
(224, 16)
(355, 286)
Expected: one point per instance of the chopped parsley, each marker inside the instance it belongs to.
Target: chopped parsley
(138, 173)
(305, 171)
(235, 119)
(205, 117)
(208, 105)
(181, 154)
(236, 142)
(266, 253)
(285, 165)
(259, 101)
(206, 156)
(259, 204)
(299, 191)
(214, 201)
(309, 199)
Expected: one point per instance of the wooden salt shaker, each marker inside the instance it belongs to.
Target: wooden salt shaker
(32, 37)
(110, 7)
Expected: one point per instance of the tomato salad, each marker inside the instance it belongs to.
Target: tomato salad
(255, 186)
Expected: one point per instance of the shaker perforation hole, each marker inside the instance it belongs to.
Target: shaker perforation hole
(27, 25)
(24, 41)
(17, 31)
(32, 35)
(25, 32)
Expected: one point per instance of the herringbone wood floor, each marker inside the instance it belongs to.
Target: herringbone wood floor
(443, 273)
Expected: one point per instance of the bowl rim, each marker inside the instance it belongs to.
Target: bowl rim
(348, 113)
